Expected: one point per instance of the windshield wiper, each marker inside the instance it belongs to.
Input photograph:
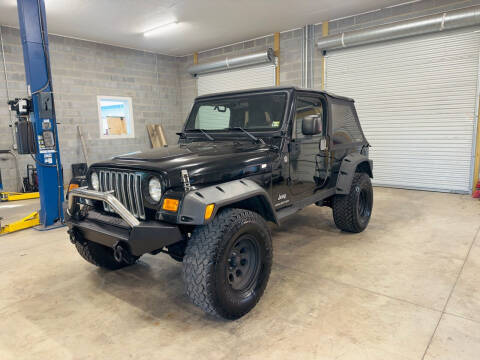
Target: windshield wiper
(249, 134)
(203, 132)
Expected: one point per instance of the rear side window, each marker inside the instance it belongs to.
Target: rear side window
(345, 127)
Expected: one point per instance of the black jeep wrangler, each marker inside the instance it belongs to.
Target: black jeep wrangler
(243, 158)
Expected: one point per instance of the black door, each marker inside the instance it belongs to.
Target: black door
(308, 162)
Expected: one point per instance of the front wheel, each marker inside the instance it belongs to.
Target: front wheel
(227, 263)
(98, 254)
(352, 212)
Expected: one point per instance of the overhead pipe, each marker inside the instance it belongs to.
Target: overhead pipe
(424, 25)
(263, 57)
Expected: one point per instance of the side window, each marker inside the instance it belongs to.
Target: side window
(344, 125)
(212, 117)
(306, 105)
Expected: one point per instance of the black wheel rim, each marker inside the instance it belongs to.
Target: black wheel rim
(364, 204)
(243, 263)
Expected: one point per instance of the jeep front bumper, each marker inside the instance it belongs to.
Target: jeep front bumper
(140, 237)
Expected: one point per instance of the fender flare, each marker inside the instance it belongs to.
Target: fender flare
(347, 170)
(193, 206)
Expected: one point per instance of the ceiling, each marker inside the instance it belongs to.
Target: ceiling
(202, 24)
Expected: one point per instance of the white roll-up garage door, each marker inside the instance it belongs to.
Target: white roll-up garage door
(237, 79)
(416, 102)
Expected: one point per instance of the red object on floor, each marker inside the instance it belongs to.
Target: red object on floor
(476, 192)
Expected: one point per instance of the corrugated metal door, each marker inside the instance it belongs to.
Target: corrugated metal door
(237, 79)
(416, 102)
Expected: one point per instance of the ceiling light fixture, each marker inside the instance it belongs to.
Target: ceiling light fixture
(161, 28)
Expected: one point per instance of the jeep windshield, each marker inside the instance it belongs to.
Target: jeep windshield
(260, 112)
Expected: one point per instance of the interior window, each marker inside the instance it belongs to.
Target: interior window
(115, 116)
(306, 105)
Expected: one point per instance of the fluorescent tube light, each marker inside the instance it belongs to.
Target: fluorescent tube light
(161, 28)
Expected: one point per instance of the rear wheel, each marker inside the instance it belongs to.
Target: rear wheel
(352, 212)
(227, 263)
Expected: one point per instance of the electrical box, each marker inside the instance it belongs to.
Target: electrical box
(25, 135)
(45, 102)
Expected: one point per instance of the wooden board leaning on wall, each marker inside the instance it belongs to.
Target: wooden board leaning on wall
(156, 135)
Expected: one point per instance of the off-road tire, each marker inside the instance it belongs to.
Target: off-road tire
(207, 265)
(100, 255)
(347, 209)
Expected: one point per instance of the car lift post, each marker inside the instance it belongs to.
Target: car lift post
(34, 36)
(33, 31)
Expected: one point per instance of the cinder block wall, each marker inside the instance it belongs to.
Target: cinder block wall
(81, 70)
(16, 88)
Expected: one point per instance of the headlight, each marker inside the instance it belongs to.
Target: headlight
(155, 189)
(94, 181)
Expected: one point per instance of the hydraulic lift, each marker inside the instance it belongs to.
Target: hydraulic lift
(36, 125)
(15, 196)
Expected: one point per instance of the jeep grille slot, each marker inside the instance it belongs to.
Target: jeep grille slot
(127, 188)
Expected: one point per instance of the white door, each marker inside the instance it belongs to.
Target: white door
(237, 79)
(416, 101)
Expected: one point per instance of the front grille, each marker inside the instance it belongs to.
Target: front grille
(127, 187)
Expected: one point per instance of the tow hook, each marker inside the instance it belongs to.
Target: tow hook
(121, 253)
(118, 252)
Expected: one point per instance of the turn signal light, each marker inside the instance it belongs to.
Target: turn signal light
(209, 211)
(170, 204)
(72, 186)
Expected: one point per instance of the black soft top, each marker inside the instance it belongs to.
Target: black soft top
(290, 89)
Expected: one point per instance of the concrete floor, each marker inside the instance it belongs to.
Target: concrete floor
(406, 288)
(15, 210)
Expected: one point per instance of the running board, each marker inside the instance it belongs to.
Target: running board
(301, 204)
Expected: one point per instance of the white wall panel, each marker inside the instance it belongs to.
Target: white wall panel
(416, 102)
(238, 79)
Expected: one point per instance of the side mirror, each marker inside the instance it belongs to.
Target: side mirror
(312, 125)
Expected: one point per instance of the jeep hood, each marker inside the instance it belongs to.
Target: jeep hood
(206, 162)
